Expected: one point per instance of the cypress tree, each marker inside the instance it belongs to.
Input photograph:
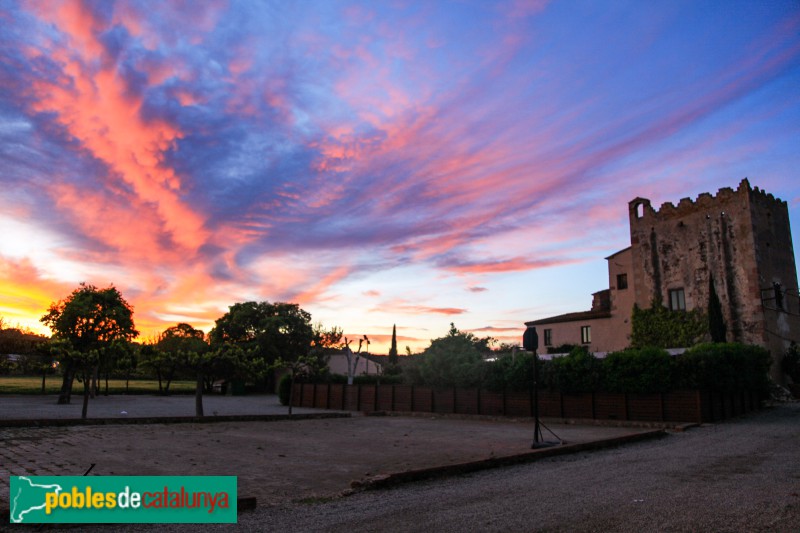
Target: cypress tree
(393, 350)
(716, 322)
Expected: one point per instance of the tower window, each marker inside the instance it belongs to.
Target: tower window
(677, 300)
(622, 282)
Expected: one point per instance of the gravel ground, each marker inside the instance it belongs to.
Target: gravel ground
(738, 476)
(742, 475)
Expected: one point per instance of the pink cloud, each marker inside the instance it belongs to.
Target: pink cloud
(516, 264)
(119, 222)
(404, 307)
(316, 292)
(98, 110)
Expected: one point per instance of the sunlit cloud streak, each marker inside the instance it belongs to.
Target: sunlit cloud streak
(199, 155)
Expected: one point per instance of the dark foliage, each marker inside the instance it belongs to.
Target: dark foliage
(642, 370)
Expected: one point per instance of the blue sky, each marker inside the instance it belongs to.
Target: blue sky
(396, 162)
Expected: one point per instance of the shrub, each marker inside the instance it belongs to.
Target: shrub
(6, 365)
(511, 373)
(724, 367)
(563, 348)
(791, 363)
(371, 379)
(577, 372)
(452, 361)
(638, 370)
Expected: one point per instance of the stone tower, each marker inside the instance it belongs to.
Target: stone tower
(738, 240)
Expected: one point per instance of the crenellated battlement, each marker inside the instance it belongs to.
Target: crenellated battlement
(725, 198)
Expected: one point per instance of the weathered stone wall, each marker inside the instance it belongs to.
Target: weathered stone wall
(776, 284)
(739, 239)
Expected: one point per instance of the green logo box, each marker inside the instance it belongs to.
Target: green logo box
(122, 499)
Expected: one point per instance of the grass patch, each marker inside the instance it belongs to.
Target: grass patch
(33, 385)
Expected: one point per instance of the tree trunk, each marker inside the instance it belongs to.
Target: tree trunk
(94, 389)
(66, 385)
(86, 387)
(44, 376)
(291, 393)
(198, 395)
(350, 369)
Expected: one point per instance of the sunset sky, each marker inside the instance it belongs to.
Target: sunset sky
(406, 162)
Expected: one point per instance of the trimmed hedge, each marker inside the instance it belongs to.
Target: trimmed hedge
(579, 371)
(716, 367)
(510, 373)
(643, 370)
(720, 367)
(724, 367)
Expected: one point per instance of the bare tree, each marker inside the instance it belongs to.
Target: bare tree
(353, 357)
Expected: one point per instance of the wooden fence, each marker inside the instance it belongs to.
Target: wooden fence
(676, 406)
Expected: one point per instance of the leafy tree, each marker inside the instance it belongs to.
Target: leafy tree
(87, 322)
(185, 347)
(182, 337)
(325, 343)
(81, 364)
(110, 359)
(162, 364)
(128, 360)
(305, 365)
(455, 360)
(265, 331)
(32, 350)
(326, 340)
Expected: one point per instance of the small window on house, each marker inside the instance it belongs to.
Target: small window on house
(677, 300)
(622, 282)
(548, 337)
(586, 334)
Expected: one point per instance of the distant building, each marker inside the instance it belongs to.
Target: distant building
(739, 240)
(337, 364)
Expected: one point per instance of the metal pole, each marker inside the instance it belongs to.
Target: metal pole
(537, 431)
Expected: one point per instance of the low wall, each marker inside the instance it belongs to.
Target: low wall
(676, 406)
